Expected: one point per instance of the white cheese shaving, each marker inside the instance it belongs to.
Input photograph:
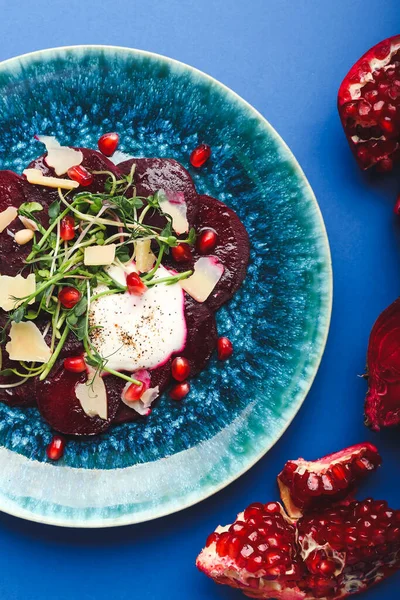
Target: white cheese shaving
(7, 216)
(174, 205)
(141, 406)
(15, 287)
(92, 395)
(60, 158)
(207, 272)
(144, 257)
(28, 223)
(27, 343)
(99, 255)
(36, 177)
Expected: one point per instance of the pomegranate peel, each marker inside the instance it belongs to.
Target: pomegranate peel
(369, 106)
(382, 403)
(307, 485)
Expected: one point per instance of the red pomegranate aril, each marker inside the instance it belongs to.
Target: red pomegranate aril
(81, 175)
(67, 228)
(181, 253)
(213, 537)
(55, 449)
(234, 547)
(75, 364)
(108, 143)
(200, 155)
(179, 391)
(273, 507)
(224, 348)
(135, 285)
(69, 296)
(180, 368)
(134, 392)
(254, 564)
(206, 241)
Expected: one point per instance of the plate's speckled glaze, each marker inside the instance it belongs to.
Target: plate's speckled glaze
(278, 322)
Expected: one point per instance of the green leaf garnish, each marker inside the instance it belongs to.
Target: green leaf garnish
(30, 207)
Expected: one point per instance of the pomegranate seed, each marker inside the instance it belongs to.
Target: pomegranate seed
(224, 348)
(385, 165)
(75, 364)
(213, 537)
(67, 228)
(200, 155)
(69, 296)
(206, 241)
(108, 143)
(55, 449)
(134, 392)
(179, 391)
(135, 284)
(273, 507)
(181, 253)
(180, 368)
(81, 175)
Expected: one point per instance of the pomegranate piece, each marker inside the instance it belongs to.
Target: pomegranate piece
(75, 364)
(108, 143)
(135, 284)
(67, 228)
(69, 296)
(81, 175)
(382, 403)
(181, 253)
(328, 554)
(224, 348)
(179, 391)
(135, 391)
(206, 241)
(61, 408)
(180, 368)
(200, 155)
(369, 106)
(55, 450)
(307, 485)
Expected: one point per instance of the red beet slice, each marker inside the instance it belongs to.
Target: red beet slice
(92, 161)
(152, 174)
(369, 105)
(232, 248)
(14, 190)
(60, 407)
(382, 404)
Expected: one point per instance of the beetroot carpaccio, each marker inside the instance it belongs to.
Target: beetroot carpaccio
(101, 310)
(329, 551)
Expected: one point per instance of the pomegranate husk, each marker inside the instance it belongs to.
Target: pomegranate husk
(308, 485)
(369, 106)
(382, 403)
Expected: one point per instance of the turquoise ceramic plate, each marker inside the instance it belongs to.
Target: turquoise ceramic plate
(278, 322)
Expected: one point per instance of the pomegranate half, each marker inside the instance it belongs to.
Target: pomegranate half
(369, 106)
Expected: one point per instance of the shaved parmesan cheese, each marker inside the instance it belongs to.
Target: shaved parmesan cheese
(144, 257)
(15, 287)
(119, 273)
(60, 158)
(207, 272)
(174, 205)
(141, 406)
(92, 395)
(99, 255)
(27, 343)
(28, 223)
(36, 177)
(7, 217)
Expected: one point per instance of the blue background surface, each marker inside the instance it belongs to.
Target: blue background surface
(287, 58)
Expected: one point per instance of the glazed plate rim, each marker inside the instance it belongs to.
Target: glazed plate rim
(131, 518)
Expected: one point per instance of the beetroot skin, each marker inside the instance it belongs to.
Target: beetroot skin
(382, 404)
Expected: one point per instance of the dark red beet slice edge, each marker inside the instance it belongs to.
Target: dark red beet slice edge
(62, 410)
(232, 249)
(92, 161)
(152, 174)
